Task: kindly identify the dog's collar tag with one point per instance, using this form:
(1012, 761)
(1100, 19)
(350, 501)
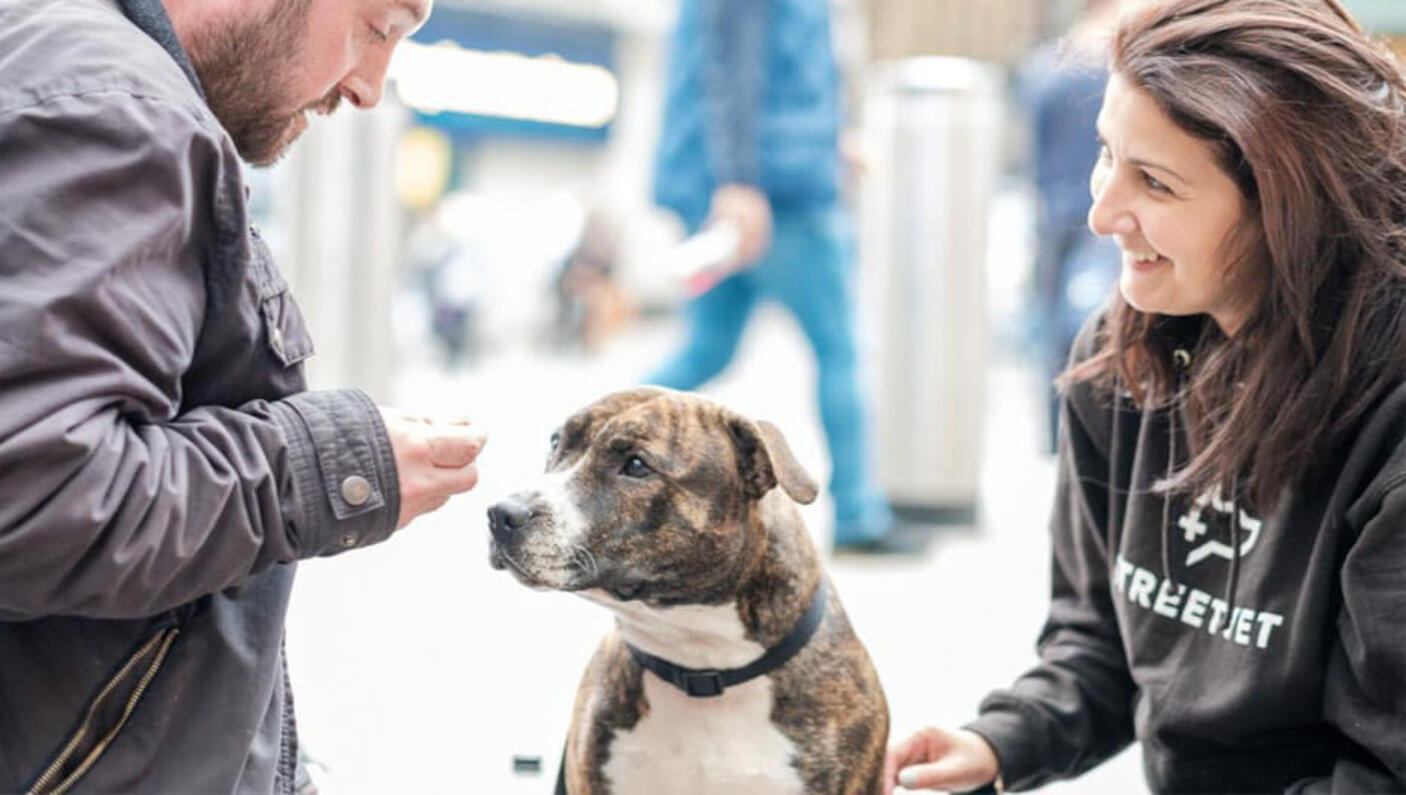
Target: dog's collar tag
(707, 682)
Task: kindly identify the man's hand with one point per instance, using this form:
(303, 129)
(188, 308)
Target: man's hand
(748, 209)
(940, 759)
(435, 459)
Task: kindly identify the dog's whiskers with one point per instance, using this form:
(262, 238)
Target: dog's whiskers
(513, 563)
(584, 559)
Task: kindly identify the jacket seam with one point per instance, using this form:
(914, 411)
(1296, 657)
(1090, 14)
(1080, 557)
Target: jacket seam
(44, 97)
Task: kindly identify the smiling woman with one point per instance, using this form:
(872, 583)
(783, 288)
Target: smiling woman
(1227, 545)
(1225, 179)
(1161, 194)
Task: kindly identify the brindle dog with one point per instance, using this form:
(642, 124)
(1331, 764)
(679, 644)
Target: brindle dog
(665, 508)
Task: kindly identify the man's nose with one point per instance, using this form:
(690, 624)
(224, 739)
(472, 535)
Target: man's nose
(509, 516)
(363, 94)
(368, 80)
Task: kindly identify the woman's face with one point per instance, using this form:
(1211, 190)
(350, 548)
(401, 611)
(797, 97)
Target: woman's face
(1161, 194)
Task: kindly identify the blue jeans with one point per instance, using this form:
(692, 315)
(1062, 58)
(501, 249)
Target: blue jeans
(809, 270)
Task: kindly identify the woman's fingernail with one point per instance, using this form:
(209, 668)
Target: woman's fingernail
(908, 777)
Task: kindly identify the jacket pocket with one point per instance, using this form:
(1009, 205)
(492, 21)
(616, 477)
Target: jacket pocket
(85, 746)
(285, 330)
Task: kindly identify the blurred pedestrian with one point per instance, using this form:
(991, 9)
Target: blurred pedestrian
(750, 142)
(161, 463)
(1061, 86)
(1228, 554)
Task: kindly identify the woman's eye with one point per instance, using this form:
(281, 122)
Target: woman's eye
(635, 467)
(377, 34)
(1156, 184)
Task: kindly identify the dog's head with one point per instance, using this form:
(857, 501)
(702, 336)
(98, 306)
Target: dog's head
(648, 494)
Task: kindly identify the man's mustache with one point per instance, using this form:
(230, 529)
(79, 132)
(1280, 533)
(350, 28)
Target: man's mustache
(327, 104)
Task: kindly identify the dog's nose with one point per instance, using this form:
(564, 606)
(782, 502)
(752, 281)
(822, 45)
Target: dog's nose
(508, 517)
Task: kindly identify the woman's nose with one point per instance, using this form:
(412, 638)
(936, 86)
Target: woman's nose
(1109, 214)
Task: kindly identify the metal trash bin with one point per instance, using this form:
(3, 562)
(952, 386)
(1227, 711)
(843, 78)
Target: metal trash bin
(934, 127)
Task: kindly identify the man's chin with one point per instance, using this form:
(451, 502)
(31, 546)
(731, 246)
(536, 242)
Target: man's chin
(263, 153)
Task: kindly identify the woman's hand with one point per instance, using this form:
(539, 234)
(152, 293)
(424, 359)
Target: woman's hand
(940, 759)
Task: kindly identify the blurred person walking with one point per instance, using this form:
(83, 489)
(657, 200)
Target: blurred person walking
(1228, 553)
(1061, 87)
(161, 463)
(750, 140)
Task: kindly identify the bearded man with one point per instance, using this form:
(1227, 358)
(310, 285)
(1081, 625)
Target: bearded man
(162, 467)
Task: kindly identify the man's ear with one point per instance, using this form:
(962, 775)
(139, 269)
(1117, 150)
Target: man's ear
(765, 461)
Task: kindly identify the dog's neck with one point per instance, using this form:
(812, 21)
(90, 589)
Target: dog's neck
(775, 589)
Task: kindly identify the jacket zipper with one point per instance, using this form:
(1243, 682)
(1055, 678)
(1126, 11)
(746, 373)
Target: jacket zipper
(161, 643)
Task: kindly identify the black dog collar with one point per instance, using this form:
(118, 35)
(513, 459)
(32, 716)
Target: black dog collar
(702, 683)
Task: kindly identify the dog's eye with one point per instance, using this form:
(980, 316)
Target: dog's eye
(635, 467)
(555, 441)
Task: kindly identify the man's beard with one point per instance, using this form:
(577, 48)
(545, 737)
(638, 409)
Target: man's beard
(246, 69)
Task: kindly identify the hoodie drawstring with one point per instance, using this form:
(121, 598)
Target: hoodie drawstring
(1115, 522)
(1234, 550)
(1182, 360)
(1167, 493)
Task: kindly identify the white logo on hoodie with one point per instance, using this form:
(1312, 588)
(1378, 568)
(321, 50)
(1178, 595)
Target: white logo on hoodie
(1196, 527)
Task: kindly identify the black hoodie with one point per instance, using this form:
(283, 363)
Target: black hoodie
(1246, 653)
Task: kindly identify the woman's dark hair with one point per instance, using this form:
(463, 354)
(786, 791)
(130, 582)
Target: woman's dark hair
(1306, 114)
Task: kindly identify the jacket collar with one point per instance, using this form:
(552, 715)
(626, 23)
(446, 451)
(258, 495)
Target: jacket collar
(150, 16)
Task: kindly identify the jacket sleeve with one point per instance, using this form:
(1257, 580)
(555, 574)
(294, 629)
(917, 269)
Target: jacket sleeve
(115, 503)
(1364, 694)
(734, 70)
(1074, 709)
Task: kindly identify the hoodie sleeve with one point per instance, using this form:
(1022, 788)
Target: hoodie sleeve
(1364, 694)
(1074, 709)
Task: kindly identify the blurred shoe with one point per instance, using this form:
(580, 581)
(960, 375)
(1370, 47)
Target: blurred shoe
(896, 538)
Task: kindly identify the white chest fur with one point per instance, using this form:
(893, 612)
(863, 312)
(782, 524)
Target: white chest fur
(692, 746)
(724, 745)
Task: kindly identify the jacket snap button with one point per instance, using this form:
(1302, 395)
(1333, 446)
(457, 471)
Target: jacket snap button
(356, 491)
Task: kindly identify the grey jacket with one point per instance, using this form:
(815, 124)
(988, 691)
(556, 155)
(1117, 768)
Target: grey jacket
(161, 466)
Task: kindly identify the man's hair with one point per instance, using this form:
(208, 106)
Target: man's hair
(1306, 114)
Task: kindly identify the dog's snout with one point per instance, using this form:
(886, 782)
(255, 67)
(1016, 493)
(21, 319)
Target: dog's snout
(508, 517)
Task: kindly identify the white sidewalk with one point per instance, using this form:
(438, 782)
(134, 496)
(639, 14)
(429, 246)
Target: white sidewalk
(417, 668)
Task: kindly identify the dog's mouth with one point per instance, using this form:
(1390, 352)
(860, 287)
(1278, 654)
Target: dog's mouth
(499, 559)
(577, 570)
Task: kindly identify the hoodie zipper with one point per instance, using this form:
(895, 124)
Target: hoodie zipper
(156, 648)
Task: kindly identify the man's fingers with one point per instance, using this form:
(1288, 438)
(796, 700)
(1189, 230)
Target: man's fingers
(456, 447)
(456, 480)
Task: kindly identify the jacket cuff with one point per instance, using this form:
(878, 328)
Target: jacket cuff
(1017, 759)
(347, 487)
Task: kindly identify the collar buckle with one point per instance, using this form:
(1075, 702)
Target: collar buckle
(701, 684)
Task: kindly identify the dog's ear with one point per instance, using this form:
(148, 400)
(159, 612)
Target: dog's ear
(767, 461)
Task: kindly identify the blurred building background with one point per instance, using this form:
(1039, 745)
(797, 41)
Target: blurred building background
(483, 243)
